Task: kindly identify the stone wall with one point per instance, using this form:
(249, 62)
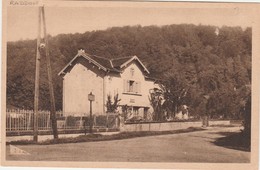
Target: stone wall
(219, 122)
(167, 126)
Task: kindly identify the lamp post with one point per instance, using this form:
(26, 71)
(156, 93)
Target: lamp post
(91, 98)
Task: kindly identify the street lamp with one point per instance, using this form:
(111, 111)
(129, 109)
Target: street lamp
(91, 98)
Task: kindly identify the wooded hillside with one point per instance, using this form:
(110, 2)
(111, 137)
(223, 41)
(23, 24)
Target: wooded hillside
(204, 62)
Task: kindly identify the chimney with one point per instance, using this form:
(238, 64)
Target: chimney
(81, 50)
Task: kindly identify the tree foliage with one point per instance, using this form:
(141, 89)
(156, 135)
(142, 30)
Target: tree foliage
(112, 105)
(189, 59)
(156, 100)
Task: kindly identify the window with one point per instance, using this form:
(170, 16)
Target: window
(131, 86)
(132, 72)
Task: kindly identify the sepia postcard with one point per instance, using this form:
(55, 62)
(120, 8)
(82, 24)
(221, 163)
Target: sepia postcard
(130, 84)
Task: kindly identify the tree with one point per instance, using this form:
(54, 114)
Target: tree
(174, 88)
(156, 99)
(112, 106)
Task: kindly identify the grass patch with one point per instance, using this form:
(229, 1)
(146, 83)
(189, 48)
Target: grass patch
(98, 137)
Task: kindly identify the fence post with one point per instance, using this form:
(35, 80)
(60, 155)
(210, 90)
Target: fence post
(65, 123)
(48, 121)
(29, 119)
(107, 122)
(15, 122)
(95, 120)
(18, 118)
(21, 116)
(10, 120)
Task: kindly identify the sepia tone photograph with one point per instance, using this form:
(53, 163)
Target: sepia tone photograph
(130, 84)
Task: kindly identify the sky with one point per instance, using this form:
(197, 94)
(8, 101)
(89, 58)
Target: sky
(22, 21)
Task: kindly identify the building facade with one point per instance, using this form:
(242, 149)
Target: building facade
(127, 77)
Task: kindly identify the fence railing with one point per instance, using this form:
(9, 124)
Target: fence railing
(22, 120)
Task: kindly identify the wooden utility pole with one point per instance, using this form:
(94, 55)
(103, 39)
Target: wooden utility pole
(48, 62)
(37, 80)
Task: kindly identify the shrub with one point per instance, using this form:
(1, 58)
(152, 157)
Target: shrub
(72, 121)
(247, 117)
(101, 120)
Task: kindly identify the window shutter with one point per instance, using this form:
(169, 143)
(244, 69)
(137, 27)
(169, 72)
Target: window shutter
(139, 87)
(136, 87)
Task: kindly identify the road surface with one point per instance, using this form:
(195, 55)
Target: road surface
(187, 147)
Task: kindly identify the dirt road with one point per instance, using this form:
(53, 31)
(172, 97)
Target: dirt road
(186, 147)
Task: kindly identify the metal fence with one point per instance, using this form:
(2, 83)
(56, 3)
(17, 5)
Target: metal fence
(22, 120)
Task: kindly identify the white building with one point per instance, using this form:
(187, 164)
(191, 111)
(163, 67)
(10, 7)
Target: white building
(125, 76)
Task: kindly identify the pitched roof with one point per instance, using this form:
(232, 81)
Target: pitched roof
(117, 62)
(114, 65)
(103, 61)
(132, 59)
